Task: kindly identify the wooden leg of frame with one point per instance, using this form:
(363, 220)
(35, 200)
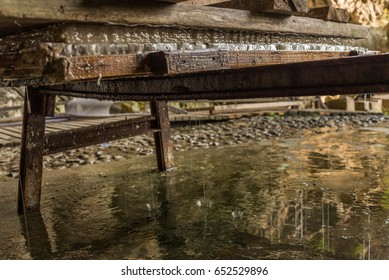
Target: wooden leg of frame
(162, 137)
(36, 106)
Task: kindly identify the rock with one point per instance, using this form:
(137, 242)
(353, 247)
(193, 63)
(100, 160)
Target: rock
(13, 174)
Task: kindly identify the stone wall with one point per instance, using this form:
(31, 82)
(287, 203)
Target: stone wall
(10, 97)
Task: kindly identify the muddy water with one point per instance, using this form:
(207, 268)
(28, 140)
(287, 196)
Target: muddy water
(324, 196)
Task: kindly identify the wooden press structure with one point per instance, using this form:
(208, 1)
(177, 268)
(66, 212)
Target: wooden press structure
(158, 51)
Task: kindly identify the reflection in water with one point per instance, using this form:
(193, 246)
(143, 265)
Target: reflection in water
(322, 197)
(37, 239)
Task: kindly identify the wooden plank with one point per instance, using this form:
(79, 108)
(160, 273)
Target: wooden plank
(16, 129)
(253, 106)
(330, 13)
(5, 131)
(71, 139)
(121, 12)
(173, 63)
(286, 7)
(351, 75)
(162, 137)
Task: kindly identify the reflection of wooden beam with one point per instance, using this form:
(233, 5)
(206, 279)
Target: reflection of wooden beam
(350, 75)
(330, 13)
(287, 7)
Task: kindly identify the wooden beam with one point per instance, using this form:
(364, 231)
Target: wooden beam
(123, 12)
(287, 7)
(353, 75)
(78, 68)
(47, 69)
(162, 137)
(173, 63)
(233, 108)
(76, 138)
(330, 13)
(31, 150)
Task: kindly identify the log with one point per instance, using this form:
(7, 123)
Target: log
(16, 14)
(330, 13)
(286, 7)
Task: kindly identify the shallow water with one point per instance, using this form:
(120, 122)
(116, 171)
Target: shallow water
(324, 196)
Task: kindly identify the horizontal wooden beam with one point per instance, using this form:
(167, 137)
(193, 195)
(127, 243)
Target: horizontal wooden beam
(234, 108)
(47, 68)
(79, 68)
(76, 138)
(126, 12)
(353, 75)
(173, 63)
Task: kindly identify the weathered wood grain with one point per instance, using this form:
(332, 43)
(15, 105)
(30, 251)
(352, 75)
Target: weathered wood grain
(173, 63)
(162, 137)
(31, 153)
(126, 12)
(51, 68)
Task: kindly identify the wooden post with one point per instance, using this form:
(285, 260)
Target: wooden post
(162, 137)
(36, 106)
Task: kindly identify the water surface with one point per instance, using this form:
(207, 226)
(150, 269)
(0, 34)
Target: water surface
(324, 196)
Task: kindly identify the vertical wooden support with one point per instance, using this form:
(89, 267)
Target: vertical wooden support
(36, 106)
(162, 137)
